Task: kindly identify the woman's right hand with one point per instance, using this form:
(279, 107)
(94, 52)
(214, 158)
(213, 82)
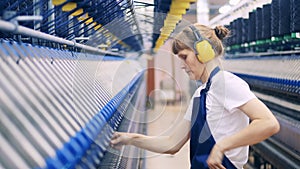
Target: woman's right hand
(120, 138)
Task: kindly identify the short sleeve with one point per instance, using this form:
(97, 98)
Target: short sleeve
(189, 111)
(237, 92)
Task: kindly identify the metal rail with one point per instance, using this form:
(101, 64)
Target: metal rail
(281, 150)
(254, 54)
(271, 151)
(17, 29)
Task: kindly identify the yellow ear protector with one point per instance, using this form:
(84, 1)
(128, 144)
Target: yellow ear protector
(204, 50)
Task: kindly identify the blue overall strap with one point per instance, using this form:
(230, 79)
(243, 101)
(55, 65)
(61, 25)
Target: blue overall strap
(202, 141)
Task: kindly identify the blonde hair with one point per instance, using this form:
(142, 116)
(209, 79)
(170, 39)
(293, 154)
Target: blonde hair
(186, 38)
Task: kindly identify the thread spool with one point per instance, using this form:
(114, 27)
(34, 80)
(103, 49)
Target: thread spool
(239, 32)
(275, 18)
(258, 25)
(295, 16)
(266, 24)
(284, 17)
(245, 24)
(252, 27)
(234, 33)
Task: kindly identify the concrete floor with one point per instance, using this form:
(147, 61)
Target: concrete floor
(161, 120)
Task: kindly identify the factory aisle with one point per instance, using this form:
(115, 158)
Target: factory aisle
(160, 122)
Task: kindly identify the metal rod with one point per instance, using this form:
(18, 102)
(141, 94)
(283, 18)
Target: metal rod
(11, 27)
(29, 18)
(264, 53)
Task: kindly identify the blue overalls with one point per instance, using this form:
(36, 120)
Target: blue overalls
(202, 141)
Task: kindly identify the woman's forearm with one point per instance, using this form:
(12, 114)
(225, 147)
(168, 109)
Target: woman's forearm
(158, 144)
(263, 125)
(257, 131)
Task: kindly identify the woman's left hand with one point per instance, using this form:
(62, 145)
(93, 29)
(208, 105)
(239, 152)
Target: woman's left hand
(215, 158)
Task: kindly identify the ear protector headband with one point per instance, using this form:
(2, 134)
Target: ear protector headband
(204, 50)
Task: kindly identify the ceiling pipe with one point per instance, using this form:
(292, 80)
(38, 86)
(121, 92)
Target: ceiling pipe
(203, 12)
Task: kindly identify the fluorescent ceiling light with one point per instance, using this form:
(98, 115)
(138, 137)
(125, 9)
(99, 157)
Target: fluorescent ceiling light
(234, 2)
(224, 9)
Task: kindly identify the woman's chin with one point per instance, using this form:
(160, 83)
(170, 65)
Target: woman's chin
(192, 77)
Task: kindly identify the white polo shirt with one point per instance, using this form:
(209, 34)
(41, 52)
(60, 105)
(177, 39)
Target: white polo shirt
(227, 92)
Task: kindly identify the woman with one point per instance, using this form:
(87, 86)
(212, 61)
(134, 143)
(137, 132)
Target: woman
(217, 119)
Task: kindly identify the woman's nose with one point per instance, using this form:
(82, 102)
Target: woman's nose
(183, 65)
